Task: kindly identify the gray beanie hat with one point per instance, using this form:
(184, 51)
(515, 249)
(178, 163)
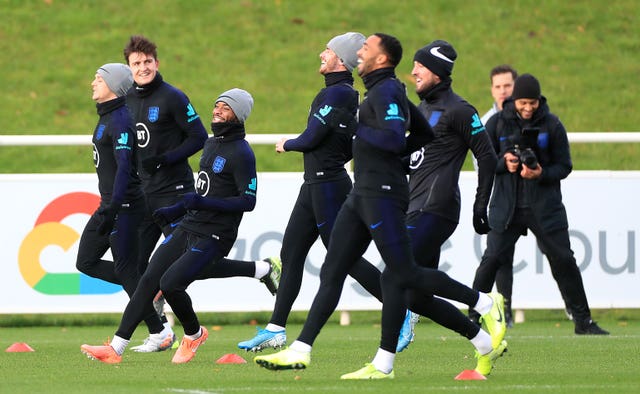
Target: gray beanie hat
(117, 76)
(240, 102)
(346, 46)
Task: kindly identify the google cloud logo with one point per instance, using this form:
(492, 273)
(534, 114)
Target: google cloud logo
(48, 230)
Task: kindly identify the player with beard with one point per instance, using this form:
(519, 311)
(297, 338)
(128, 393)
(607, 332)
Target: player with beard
(326, 147)
(227, 187)
(376, 210)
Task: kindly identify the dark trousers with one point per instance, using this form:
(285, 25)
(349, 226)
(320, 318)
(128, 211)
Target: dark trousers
(555, 245)
(361, 220)
(504, 281)
(428, 232)
(176, 263)
(123, 242)
(149, 231)
(314, 215)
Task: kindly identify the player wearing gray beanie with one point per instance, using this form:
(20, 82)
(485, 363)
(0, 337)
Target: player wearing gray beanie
(325, 146)
(240, 102)
(117, 76)
(346, 46)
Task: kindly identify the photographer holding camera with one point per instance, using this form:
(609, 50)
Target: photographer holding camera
(534, 148)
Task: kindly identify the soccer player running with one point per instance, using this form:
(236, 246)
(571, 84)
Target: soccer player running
(168, 132)
(376, 210)
(326, 147)
(227, 187)
(434, 194)
(114, 225)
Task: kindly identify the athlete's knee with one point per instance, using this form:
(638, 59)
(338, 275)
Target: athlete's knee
(84, 265)
(292, 259)
(128, 267)
(396, 278)
(417, 300)
(170, 285)
(148, 282)
(333, 273)
(166, 285)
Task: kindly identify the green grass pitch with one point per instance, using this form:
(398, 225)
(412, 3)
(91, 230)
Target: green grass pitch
(544, 356)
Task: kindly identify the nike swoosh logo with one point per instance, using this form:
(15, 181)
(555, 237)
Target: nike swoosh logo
(343, 126)
(321, 224)
(196, 250)
(435, 52)
(375, 225)
(174, 224)
(499, 319)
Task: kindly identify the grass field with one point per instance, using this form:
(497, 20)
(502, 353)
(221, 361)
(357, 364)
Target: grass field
(544, 356)
(586, 55)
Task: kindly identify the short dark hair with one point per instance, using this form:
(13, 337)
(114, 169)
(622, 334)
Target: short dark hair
(140, 44)
(503, 69)
(391, 47)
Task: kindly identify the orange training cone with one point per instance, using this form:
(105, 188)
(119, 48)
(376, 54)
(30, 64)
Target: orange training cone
(231, 359)
(19, 347)
(470, 374)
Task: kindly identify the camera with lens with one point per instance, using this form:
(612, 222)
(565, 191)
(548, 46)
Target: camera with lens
(524, 147)
(527, 157)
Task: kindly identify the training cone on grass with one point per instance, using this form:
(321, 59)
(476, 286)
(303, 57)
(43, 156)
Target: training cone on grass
(19, 347)
(470, 374)
(231, 358)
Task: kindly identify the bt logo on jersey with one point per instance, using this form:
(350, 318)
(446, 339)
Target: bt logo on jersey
(49, 230)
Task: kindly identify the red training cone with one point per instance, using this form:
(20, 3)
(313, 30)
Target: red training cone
(231, 359)
(470, 374)
(19, 347)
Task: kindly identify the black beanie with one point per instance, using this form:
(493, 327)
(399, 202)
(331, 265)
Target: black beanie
(437, 57)
(526, 86)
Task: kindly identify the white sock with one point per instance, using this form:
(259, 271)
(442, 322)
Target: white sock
(119, 344)
(166, 331)
(300, 347)
(262, 268)
(484, 304)
(274, 327)
(196, 335)
(383, 361)
(482, 342)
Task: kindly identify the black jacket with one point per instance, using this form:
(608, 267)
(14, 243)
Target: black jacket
(326, 142)
(114, 154)
(552, 150)
(167, 125)
(435, 168)
(380, 142)
(228, 182)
